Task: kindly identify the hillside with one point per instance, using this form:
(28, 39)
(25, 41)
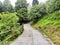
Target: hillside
(50, 26)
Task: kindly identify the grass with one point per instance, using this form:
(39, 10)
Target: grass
(50, 26)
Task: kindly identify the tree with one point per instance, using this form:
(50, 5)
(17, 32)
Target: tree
(22, 14)
(37, 12)
(53, 5)
(20, 4)
(7, 6)
(35, 2)
(1, 6)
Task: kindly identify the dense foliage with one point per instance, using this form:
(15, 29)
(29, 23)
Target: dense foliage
(53, 5)
(1, 6)
(45, 15)
(7, 6)
(22, 14)
(51, 19)
(7, 20)
(21, 8)
(35, 2)
(21, 4)
(37, 12)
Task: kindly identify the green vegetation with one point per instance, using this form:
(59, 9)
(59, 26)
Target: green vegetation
(35, 2)
(10, 20)
(1, 6)
(37, 12)
(50, 26)
(7, 23)
(52, 6)
(21, 4)
(7, 20)
(22, 14)
(7, 7)
(51, 19)
(44, 16)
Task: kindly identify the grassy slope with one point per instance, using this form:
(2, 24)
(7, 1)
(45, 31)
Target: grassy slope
(50, 26)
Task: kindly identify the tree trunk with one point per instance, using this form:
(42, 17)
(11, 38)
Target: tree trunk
(12, 31)
(22, 28)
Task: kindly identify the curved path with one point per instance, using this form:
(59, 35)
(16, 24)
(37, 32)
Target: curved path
(31, 36)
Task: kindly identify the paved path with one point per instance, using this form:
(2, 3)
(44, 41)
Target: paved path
(31, 36)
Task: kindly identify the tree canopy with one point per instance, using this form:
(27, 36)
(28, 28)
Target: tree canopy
(20, 4)
(22, 14)
(53, 5)
(7, 6)
(38, 11)
(1, 6)
(35, 2)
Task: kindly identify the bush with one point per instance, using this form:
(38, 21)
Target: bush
(22, 14)
(7, 20)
